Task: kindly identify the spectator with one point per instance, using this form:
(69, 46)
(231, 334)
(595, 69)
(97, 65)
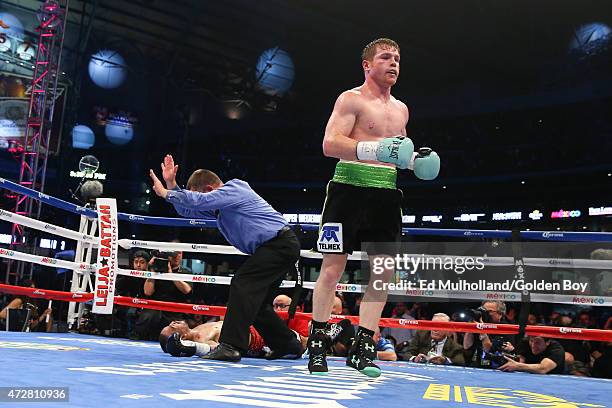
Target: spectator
(585, 321)
(401, 311)
(553, 318)
(151, 321)
(384, 348)
(511, 315)
(435, 346)
(602, 365)
(578, 368)
(25, 303)
(281, 303)
(337, 308)
(132, 286)
(575, 350)
(481, 351)
(532, 319)
(538, 355)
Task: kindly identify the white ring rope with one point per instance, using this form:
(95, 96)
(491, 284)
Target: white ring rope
(46, 261)
(43, 226)
(356, 256)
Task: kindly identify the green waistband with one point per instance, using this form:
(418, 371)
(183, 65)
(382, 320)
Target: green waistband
(363, 175)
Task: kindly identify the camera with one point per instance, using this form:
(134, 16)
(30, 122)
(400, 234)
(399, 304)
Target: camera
(160, 260)
(479, 313)
(163, 254)
(499, 358)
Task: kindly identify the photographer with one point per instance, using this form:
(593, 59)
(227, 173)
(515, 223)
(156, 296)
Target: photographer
(538, 355)
(151, 321)
(487, 350)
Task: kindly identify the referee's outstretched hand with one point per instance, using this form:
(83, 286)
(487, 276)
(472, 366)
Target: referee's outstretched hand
(158, 187)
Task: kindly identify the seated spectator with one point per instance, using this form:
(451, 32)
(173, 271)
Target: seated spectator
(401, 311)
(151, 321)
(384, 348)
(553, 319)
(281, 303)
(538, 355)
(25, 303)
(132, 287)
(435, 346)
(575, 350)
(578, 368)
(337, 307)
(602, 365)
(511, 315)
(532, 319)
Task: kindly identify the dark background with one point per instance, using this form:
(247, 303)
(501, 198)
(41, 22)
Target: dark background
(520, 119)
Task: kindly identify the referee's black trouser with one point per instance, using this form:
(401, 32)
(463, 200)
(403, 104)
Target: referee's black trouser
(252, 291)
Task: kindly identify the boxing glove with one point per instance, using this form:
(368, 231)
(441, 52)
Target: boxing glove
(394, 150)
(180, 348)
(425, 164)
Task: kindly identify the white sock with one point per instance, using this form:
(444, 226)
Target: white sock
(202, 349)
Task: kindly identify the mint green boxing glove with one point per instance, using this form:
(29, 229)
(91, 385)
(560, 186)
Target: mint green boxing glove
(395, 150)
(425, 164)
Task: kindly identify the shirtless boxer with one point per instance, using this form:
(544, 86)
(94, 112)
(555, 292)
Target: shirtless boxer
(367, 132)
(179, 340)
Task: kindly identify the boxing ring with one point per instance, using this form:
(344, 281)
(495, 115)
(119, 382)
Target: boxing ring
(111, 372)
(106, 371)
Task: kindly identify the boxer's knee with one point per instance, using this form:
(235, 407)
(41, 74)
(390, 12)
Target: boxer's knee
(332, 269)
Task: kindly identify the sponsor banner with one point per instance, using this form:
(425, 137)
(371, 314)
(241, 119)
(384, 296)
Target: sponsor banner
(565, 214)
(432, 218)
(593, 211)
(107, 265)
(507, 216)
(468, 217)
(408, 219)
(349, 287)
(536, 215)
(309, 218)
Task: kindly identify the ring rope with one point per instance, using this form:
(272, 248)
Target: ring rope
(46, 227)
(548, 331)
(230, 250)
(212, 223)
(340, 287)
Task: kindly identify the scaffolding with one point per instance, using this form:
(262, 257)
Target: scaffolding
(32, 151)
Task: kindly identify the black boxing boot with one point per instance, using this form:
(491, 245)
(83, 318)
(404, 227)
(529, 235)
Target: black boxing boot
(362, 354)
(292, 351)
(224, 352)
(318, 344)
(337, 329)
